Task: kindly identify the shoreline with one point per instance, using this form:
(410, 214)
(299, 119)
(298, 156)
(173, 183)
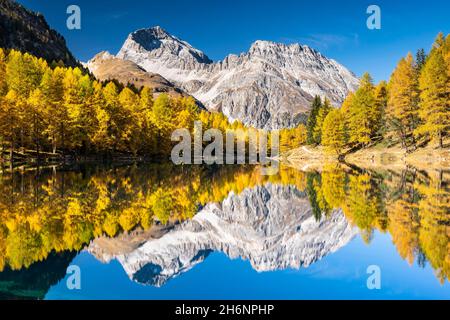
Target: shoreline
(304, 158)
(376, 157)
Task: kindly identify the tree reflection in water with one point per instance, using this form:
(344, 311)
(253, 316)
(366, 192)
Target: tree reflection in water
(57, 211)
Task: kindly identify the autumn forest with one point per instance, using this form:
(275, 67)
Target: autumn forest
(412, 109)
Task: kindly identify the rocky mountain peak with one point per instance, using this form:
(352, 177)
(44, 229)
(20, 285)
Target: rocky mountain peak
(99, 57)
(159, 43)
(151, 38)
(294, 54)
(261, 46)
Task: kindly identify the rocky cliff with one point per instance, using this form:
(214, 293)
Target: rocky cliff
(24, 30)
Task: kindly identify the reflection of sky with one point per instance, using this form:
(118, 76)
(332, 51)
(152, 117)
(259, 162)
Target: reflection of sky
(341, 275)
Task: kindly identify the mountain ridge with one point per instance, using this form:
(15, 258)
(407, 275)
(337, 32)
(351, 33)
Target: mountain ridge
(270, 86)
(27, 31)
(106, 66)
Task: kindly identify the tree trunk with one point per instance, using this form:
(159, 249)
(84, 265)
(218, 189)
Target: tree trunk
(38, 150)
(11, 155)
(36, 137)
(2, 159)
(403, 138)
(53, 144)
(63, 143)
(22, 147)
(62, 137)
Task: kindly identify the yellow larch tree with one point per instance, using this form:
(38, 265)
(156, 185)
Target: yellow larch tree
(402, 107)
(324, 109)
(334, 132)
(362, 113)
(434, 104)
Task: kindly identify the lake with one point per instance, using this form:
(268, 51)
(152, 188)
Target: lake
(191, 232)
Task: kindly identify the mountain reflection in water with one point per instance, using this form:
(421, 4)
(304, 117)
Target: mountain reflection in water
(159, 221)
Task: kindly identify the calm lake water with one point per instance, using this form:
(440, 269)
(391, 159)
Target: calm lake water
(165, 232)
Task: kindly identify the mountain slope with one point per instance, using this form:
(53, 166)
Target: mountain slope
(107, 67)
(24, 30)
(271, 86)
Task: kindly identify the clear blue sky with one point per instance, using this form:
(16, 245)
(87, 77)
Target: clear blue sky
(336, 28)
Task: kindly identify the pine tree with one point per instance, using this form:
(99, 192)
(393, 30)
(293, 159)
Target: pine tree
(334, 132)
(321, 115)
(434, 96)
(312, 119)
(402, 105)
(381, 100)
(421, 58)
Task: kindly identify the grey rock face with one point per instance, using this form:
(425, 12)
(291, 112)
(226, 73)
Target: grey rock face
(271, 226)
(167, 49)
(271, 86)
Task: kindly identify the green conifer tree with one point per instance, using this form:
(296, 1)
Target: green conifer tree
(312, 119)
